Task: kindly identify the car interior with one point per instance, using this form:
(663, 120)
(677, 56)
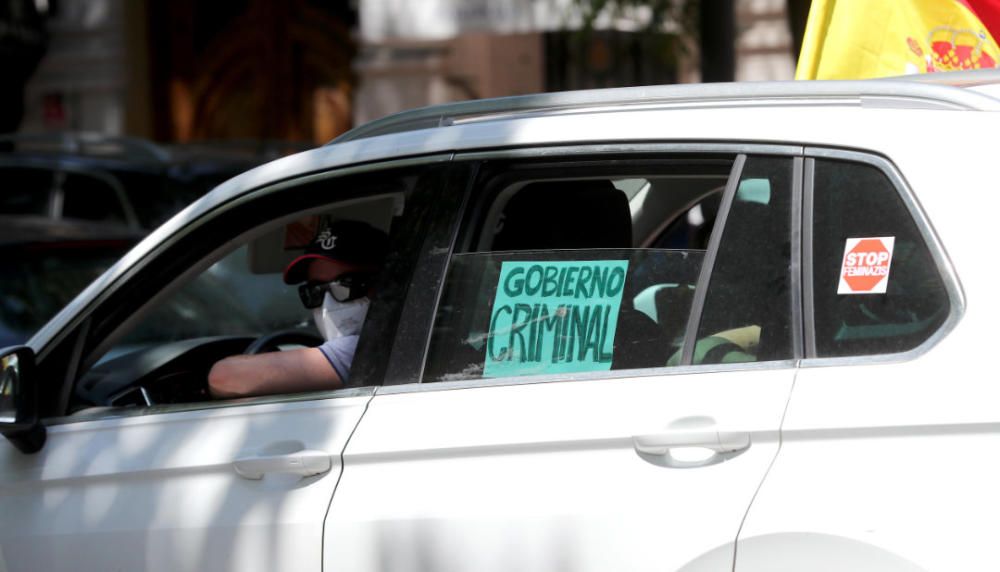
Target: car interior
(238, 304)
(660, 223)
(235, 302)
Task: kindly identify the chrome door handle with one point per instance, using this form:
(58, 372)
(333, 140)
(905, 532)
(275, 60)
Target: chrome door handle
(656, 447)
(305, 463)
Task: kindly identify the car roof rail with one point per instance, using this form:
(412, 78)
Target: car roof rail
(85, 144)
(903, 93)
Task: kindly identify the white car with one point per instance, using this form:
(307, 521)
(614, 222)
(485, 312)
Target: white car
(695, 327)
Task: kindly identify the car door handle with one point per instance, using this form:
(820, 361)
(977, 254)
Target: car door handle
(305, 463)
(718, 441)
(657, 447)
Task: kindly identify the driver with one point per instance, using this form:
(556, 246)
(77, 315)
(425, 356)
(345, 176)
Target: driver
(337, 269)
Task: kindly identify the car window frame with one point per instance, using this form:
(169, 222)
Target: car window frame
(946, 270)
(57, 166)
(79, 342)
(120, 197)
(468, 232)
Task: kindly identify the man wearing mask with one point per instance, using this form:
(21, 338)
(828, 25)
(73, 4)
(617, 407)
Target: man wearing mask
(337, 269)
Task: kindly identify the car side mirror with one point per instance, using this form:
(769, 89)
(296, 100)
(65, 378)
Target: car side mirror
(19, 400)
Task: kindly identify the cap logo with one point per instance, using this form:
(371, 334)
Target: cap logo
(326, 240)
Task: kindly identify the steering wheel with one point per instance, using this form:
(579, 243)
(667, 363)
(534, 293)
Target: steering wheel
(271, 341)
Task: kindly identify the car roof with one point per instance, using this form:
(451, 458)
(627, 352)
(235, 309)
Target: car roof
(950, 90)
(475, 125)
(492, 123)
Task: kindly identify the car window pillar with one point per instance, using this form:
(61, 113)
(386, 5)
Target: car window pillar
(700, 291)
(438, 206)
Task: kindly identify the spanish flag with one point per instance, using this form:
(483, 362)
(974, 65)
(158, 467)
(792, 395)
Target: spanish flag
(856, 39)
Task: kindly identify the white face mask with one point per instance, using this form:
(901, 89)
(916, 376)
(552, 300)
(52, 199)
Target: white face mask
(336, 319)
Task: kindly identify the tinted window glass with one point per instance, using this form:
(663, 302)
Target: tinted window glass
(39, 279)
(693, 226)
(227, 299)
(876, 288)
(152, 197)
(747, 309)
(90, 198)
(243, 294)
(535, 312)
(25, 191)
(540, 294)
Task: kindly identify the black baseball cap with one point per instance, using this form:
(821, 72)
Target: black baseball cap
(350, 241)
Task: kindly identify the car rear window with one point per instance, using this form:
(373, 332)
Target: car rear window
(876, 287)
(25, 191)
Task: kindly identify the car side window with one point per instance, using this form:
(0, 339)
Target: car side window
(222, 292)
(748, 303)
(227, 299)
(88, 198)
(27, 191)
(588, 273)
(876, 287)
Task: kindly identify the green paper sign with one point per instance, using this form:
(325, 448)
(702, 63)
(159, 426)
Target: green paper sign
(554, 317)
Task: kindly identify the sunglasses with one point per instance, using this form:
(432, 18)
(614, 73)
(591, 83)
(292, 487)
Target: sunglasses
(344, 289)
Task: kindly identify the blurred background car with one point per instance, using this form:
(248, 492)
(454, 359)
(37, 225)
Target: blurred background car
(47, 263)
(122, 181)
(73, 203)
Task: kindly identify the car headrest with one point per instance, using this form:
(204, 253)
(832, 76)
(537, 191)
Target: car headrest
(577, 214)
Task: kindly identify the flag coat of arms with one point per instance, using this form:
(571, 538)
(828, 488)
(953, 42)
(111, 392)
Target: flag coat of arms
(857, 39)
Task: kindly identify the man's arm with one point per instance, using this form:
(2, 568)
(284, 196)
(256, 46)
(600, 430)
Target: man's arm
(276, 372)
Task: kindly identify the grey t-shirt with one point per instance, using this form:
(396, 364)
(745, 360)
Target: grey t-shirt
(340, 353)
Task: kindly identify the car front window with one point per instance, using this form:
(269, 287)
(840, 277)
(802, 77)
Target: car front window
(225, 300)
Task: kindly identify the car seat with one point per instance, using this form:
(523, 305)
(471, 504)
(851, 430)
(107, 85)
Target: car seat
(585, 215)
(552, 215)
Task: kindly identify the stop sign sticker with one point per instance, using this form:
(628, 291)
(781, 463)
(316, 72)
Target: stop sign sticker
(865, 269)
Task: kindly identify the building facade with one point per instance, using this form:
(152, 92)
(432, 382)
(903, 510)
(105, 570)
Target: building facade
(307, 70)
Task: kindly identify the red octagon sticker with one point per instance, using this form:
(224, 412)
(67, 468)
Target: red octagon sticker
(865, 268)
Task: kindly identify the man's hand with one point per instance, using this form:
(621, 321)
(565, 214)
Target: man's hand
(290, 371)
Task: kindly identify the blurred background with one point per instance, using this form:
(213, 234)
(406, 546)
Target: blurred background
(116, 114)
(306, 70)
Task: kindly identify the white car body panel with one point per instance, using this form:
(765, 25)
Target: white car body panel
(160, 492)
(898, 459)
(545, 476)
(874, 466)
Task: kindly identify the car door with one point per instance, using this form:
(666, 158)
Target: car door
(230, 488)
(137, 478)
(887, 462)
(540, 439)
